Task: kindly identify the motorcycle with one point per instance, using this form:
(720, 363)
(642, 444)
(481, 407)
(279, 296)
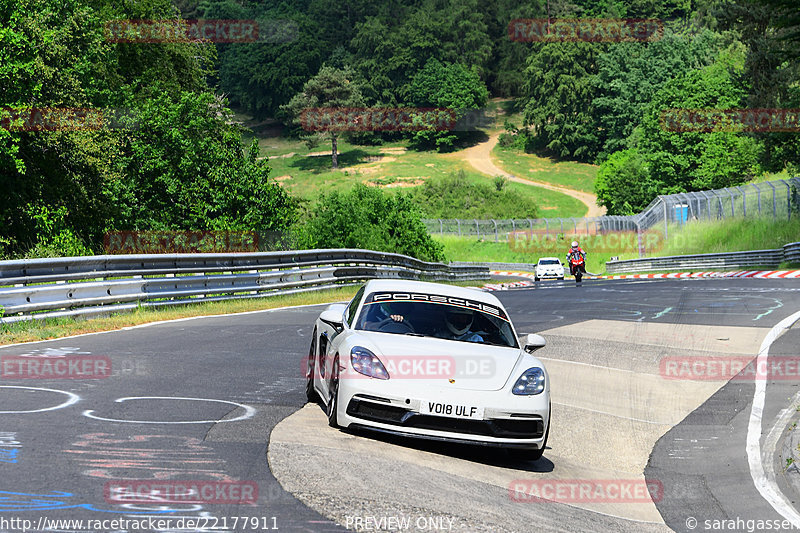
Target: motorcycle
(577, 265)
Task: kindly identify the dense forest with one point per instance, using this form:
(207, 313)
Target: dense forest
(175, 159)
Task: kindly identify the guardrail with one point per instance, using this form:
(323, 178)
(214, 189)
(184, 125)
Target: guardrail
(94, 285)
(767, 258)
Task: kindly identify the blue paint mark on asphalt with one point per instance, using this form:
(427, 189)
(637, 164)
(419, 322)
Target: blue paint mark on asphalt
(664, 312)
(8, 456)
(771, 309)
(22, 501)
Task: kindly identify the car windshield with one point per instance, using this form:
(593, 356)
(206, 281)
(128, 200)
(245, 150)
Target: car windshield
(549, 262)
(443, 317)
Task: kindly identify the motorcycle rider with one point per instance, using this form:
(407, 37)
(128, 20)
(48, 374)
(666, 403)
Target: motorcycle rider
(573, 250)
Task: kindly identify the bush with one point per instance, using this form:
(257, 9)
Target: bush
(369, 219)
(54, 237)
(455, 196)
(623, 183)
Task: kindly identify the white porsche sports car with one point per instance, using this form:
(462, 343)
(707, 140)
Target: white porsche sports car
(430, 361)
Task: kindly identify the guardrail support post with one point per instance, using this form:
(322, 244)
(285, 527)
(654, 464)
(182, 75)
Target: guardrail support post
(788, 200)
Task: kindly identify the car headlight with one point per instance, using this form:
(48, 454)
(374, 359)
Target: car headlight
(530, 382)
(367, 363)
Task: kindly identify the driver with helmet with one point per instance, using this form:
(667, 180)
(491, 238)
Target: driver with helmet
(459, 321)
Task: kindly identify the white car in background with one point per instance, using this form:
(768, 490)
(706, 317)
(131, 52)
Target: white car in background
(430, 361)
(548, 267)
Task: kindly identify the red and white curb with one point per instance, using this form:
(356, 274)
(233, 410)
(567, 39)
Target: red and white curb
(768, 274)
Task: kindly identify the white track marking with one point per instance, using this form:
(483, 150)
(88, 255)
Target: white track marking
(764, 477)
(249, 411)
(148, 324)
(72, 398)
(654, 422)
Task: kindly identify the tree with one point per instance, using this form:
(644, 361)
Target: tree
(177, 162)
(195, 173)
(330, 89)
(367, 218)
(696, 160)
(448, 86)
(623, 183)
(630, 74)
(559, 90)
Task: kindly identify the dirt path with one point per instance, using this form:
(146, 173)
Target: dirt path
(480, 157)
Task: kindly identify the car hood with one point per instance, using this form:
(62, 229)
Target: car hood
(438, 361)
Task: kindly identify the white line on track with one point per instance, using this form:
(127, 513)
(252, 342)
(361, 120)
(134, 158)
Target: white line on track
(643, 420)
(159, 322)
(248, 411)
(763, 472)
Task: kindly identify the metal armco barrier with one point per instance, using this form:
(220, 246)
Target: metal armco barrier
(93, 285)
(766, 258)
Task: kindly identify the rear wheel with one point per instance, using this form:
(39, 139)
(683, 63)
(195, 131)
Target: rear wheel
(535, 278)
(333, 401)
(311, 394)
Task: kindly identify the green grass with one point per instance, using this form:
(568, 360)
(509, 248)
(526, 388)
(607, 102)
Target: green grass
(485, 250)
(730, 235)
(307, 177)
(390, 165)
(578, 176)
(551, 204)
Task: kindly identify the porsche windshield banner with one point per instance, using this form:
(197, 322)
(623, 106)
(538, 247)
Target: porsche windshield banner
(463, 303)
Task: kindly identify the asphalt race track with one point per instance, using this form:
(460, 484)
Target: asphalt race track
(220, 400)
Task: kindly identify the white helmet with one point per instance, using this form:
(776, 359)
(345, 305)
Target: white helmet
(458, 320)
(574, 245)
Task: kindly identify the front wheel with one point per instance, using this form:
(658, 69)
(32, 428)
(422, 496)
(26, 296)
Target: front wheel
(311, 394)
(333, 401)
(578, 275)
(535, 278)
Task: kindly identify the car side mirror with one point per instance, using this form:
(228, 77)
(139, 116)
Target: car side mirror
(333, 318)
(533, 342)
